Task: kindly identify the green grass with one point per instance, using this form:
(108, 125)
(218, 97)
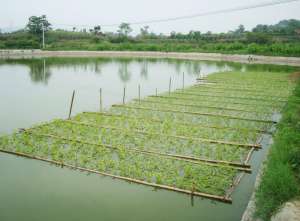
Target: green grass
(281, 181)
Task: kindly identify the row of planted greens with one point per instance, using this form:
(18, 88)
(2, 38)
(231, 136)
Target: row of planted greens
(195, 140)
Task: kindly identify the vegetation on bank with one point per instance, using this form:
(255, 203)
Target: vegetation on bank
(281, 178)
(282, 39)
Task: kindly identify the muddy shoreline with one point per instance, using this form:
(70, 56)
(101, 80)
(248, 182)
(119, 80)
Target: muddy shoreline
(256, 59)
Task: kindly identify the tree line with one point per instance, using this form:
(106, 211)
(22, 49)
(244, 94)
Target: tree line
(279, 39)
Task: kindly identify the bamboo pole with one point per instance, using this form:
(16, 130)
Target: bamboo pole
(229, 89)
(222, 102)
(156, 92)
(197, 113)
(124, 94)
(139, 93)
(233, 87)
(199, 139)
(185, 124)
(71, 105)
(234, 184)
(182, 80)
(198, 161)
(231, 97)
(170, 82)
(229, 82)
(101, 107)
(203, 106)
(200, 194)
(249, 156)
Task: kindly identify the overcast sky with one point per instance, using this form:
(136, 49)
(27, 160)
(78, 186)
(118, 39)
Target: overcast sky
(14, 13)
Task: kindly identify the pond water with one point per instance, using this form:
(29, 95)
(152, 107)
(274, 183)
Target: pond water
(39, 89)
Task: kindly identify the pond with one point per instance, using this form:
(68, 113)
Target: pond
(39, 89)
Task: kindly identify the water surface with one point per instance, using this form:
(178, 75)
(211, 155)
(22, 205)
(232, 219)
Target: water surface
(38, 90)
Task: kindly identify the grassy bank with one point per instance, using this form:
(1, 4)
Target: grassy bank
(63, 40)
(281, 178)
(276, 49)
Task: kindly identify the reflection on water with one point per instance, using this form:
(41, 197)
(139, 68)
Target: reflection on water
(123, 71)
(40, 69)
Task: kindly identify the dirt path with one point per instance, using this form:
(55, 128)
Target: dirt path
(292, 61)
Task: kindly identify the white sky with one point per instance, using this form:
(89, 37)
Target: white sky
(14, 13)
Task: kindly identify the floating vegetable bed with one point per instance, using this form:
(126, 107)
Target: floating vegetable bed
(196, 140)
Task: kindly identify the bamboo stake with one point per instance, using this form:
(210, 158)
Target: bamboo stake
(222, 102)
(231, 97)
(213, 163)
(182, 80)
(249, 156)
(139, 93)
(124, 93)
(156, 92)
(199, 139)
(71, 105)
(203, 106)
(185, 124)
(101, 108)
(170, 82)
(197, 113)
(200, 194)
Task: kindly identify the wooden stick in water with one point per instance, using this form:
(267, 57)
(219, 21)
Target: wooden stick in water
(183, 81)
(71, 105)
(139, 93)
(124, 94)
(101, 108)
(170, 83)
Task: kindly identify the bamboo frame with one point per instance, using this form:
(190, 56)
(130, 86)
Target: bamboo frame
(221, 102)
(197, 113)
(194, 160)
(234, 184)
(182, 123)
(249, 156)
(62, 164)
(229, 89)
(203, 106)
(174, 136)
(231, 97)
(230, 82)
(260, 89)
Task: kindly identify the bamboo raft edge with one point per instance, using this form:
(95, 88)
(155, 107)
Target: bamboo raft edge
(175, 189)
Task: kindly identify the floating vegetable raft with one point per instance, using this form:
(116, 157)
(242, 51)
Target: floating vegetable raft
(195, 140)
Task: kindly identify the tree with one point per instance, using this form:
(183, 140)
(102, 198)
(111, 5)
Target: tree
(37, 23)
(259, 38)
(124, 29)
(144, 31)
(97, 29)
(240, 29)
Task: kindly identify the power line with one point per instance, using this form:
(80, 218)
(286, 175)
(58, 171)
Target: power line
(222, 11)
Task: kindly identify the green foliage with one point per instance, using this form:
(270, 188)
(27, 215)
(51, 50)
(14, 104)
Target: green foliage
(36, 24)
(124, 29)
(278, 40)
(281, 180)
